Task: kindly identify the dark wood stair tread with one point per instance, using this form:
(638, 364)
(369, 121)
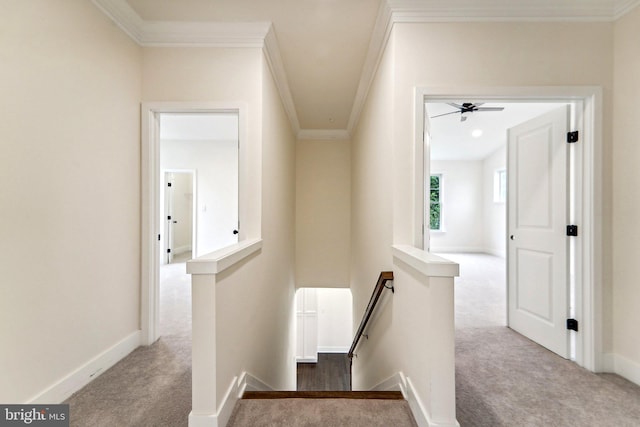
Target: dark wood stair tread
(391, 395)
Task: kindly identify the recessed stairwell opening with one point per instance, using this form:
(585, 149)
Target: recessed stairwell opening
(324, 323)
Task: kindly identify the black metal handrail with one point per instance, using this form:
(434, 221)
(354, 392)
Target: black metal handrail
(385, 276)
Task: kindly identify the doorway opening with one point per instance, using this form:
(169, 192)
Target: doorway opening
(324, 322)
(470, 224)
(190, 193)
(179, 215)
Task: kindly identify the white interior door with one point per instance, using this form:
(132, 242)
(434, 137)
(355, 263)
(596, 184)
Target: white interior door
(168, 202)
(537, 244)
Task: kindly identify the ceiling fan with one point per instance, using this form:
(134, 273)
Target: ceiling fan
(468, 107)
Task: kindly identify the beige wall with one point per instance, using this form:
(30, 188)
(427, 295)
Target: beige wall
(371, 219)
(462, 204)
(501, 54)
(323, 213)
(626, 193)
(454, 55)
(70, 167)
(254, 301)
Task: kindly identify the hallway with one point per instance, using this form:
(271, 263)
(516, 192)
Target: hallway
(152, 385)
(504, 379)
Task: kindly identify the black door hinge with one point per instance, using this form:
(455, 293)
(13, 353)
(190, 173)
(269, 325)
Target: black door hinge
(572, 136)
(168, 184)
(158, 237)
(572, 324)
(169, 218)
(168, 251)
(572, 230)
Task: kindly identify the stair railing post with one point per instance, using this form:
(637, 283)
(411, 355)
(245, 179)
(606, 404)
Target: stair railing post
(204, 404)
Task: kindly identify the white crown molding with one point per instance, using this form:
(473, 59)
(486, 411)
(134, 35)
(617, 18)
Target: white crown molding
(379, 38)
(206, 34)
(271, 51)
(261, 35)
(423, 11)
(623, 7)
(324, 135)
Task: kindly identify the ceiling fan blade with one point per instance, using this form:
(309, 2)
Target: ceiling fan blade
(490, 109)
(454, 105)
(445, 114)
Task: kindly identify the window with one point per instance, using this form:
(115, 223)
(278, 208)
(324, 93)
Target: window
(435, 200)
(500, 186)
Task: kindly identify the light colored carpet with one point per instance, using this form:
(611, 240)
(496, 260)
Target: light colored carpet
(152, 385)
(321, 413)
(504, 379)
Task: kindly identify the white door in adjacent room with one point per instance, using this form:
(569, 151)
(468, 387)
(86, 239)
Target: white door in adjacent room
(538, 247)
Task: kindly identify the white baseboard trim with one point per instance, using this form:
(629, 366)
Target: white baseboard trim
(245, 382)
(496, 253)
(83, 375)
(182, 249)
(203, 420)
(456, 249)
(398, 382)
(622, 366)
(337, 349)
(252, 383)
(306, 360)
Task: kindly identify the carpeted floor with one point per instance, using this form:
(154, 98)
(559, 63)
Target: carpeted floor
(504, 379)
(151, 386)
(321, 413)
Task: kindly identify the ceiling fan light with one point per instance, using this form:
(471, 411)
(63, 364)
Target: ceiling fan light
(477, 133)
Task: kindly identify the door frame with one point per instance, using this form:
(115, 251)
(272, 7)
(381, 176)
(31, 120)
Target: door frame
(151, 225)
(587, 163)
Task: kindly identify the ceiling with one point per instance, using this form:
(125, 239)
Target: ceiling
(452, 139)
(324, 53)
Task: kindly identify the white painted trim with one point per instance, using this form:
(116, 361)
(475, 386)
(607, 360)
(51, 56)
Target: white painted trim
(203, 420)
(272, 55)
(333, 349)
(307, 359)
(178, 33)
(237, 387)
(622, 7)
(83, 375)
(324, 134)
(250, 383)
(456, 249)
(377, 45)
(622, 366)
(150, 187)
(426, 263)
(220, 260)
(398, 382)
(418, 410)
(589, 309)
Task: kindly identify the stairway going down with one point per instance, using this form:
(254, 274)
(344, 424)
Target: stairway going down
(322, 408)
